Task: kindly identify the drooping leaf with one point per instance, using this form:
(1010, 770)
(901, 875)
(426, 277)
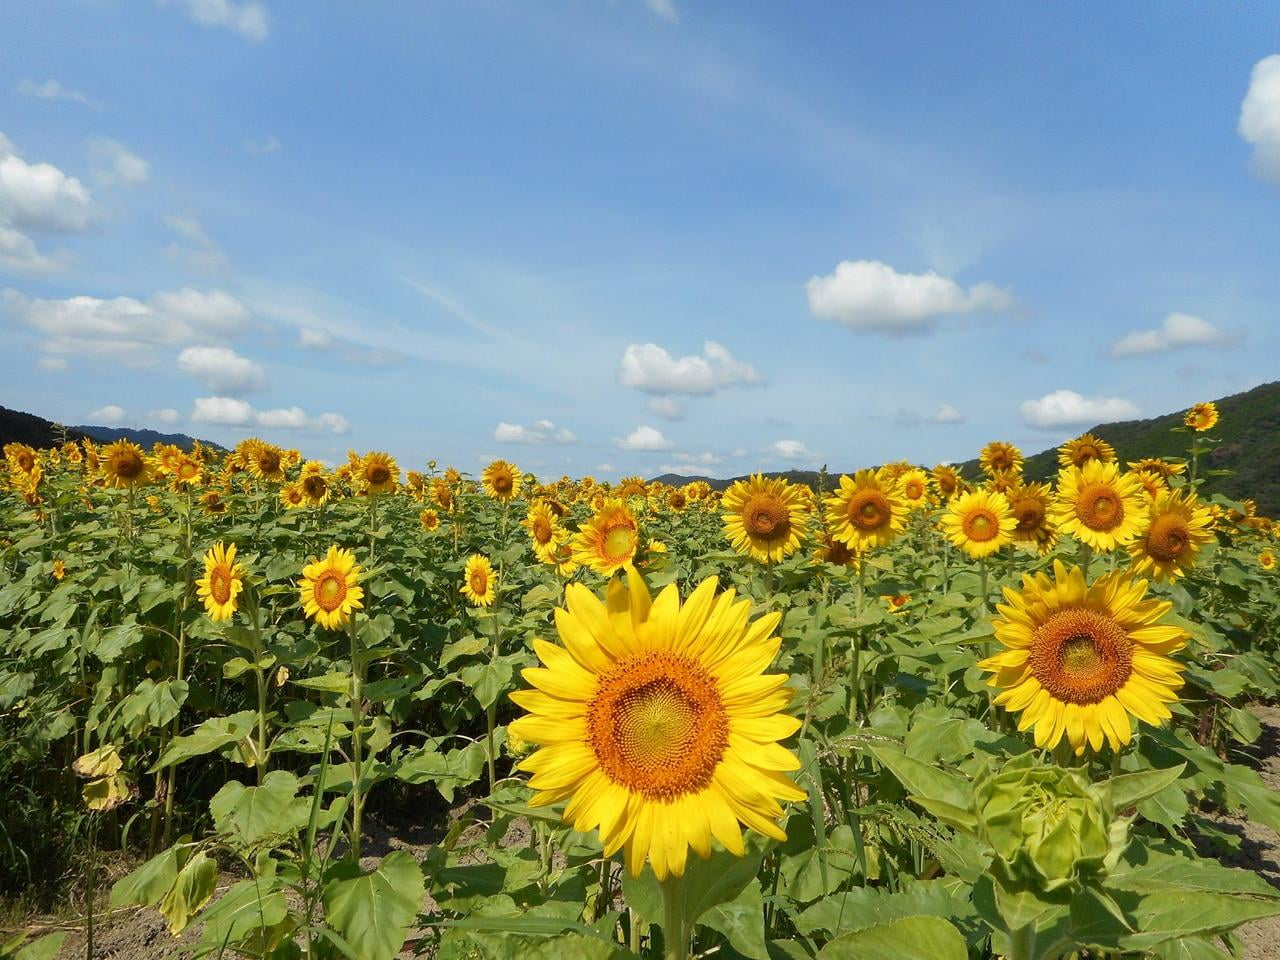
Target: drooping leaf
(372, 910)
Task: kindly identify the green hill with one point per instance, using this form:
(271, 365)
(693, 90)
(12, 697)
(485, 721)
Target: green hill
(1250, 448)
(19, 427)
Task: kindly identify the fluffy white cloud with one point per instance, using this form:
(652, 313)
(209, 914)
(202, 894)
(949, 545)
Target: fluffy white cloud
(668, 407)
(167, 416)
(314, 339)
(126, 329)
(109, 416)
(116, 164)
(1066, 408)
(649, 368)
(1260, 117)
(664, 10)
(1179, 330)
(872, 296)
(201, 251)
(644, 438)
(222, 369)
(228, 411)
(948, 414)
(793, 450)
(248, 18)
(36, 196)
(537, 433)
(52, 90)
(18, 251)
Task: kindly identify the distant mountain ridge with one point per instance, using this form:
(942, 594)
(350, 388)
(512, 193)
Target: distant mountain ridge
(19, 427)
(1250, 448)
(143, 437)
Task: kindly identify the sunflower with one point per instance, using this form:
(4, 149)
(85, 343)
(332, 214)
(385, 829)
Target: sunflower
(1156, 465)
(764, 519)
(1029, 504)
(1086, 447)
(1179, 526)
(629, 487)
(59, 569)
(222, 582)
(330, 590)
(378, 473)
(478, 583)
(416, 483)
(123, 464)
(608, 541)
(20, 456)
(292, 496)
(266, 461)
(187, 472)
(1003, 481)
(1099, 505)
(998, 455)
(867, 511)
(657, 723)
(1267, 560)
(1202, 417)
(914, 485)
(947, 479)
(1080, 658)
(429, 520)
(836, 552)
(167, 457)
(501, 481)
(1152, 483)
(315, 486)
(979, 522)
(442, 493)
(213, 503)
(544, 532)
(896, 602)
(562, 560)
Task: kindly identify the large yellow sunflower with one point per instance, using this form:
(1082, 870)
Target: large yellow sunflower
(658, 724)
(765, 519)
(979, 523)
(998, 455)
(501, 481)
(123, 464)
(266, 461)
(866, 511)
(608, 541)
(21, 456)
(1099, 505)
(1030, 505)
(948, 480)
(914, 484)
(479, 585)
(545, 532)
(1179, 526)
(1086, 447)
(330, 591)
(222, 582)
(1080, 658)
(378, 473)
(1202, 417)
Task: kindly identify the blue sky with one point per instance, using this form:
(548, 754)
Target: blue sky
(627, 236)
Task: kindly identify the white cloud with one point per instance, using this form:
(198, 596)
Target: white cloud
(606, 468)
(52, 364)
(18, 251)
(793, 450)
(664, 10)
(248, 18)
(228, 411)
(262, 148)
(1179, 330)
(314, 339)
(52, 90)
(221, 410)
(948, 414)
(201, 252)
(872, 296)
(1066, 408)
(669, 407)
(333, 422)
(40, 196)
(706, 459)
(1260, 117)
(168, 416)
(109, 416)
(644, 438)
(536, 433)
(687, 469)
(649, 368)
(222, 369)
(126, 329)
(116, 164)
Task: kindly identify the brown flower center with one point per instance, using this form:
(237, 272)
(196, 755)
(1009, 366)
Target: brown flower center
(128, 465)
(618, 543)
(1099, 507)
(767, 517)
(542, 530)
(981, 525)
(502, 483)
(330, 590)
(1168, 537)
(1030, 513)
(220, 584)
(378, 475)
(479, 581)
(1081, 656)
(869, 510)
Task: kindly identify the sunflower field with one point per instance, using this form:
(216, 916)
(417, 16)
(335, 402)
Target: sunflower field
(907, 714)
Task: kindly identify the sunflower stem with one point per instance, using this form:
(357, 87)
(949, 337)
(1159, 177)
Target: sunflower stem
(357, 736)
(675, 935)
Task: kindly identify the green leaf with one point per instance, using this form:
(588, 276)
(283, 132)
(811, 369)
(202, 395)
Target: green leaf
(249, 815)
(911, 938)
(925, 780)
(372, 910)
(153, 705)
(487, 680)
(1163, 871)
(742, 921)
(147, 884)
(249, 908)
(192, 889)
(1129, 789)
(214, 734)
(864, 907)
(43, 948)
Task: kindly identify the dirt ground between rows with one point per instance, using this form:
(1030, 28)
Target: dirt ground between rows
(142, 935)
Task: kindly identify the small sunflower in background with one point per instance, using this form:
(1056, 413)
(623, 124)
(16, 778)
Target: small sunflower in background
(1178, 527)
(998, 455)
(442, 493)
(315, 485)
(1029, 504)
(429, 520)
(222, 582)
(1086, 447)
(914, 485)
(479, 585)
(764, 519)
(608, 541)
(947, 480)
(1152, 482)
(836, 552)
(186, 472)
(657, 723)
(866, 511)
(629, 487)
(1099, 505)
(213, 503)
(545, 533)
(1202, 417)
(1158, 466)
(266, 461)
(979, 522)
(59, 569)
(378, 473)
(330, 590)
(501, 481)
(896, 602)
(292, 496)
(1080, 658)
(124, 465)
(1267, 560)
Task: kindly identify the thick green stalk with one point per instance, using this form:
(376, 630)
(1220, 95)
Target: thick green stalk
(1022, 943)
(357, 736)
(675, 936)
